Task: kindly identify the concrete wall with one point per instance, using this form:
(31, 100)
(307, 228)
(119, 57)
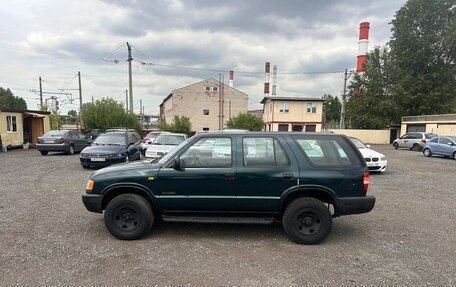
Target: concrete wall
(367, 136)
(190, 101)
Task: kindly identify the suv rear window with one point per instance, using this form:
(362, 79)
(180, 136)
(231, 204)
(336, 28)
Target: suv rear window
(429, 136)
(323, 151)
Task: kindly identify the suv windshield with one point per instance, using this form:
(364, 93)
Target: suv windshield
(168, 140)
(111, 139)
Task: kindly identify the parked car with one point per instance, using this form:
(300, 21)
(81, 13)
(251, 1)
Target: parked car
(61, 141)
(375, 161)
(237, 178)
(111, 148)
(414, 141)
(163, 144)
(148, 139)
(443, 145)
(94, 134)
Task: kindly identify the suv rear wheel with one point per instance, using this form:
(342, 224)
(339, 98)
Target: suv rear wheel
(416, 147)
(307, 221)
(128, 216)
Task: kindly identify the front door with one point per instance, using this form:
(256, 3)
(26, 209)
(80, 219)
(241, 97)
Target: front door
(205, 180)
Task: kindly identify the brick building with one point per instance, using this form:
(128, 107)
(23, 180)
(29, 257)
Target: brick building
(201, 103)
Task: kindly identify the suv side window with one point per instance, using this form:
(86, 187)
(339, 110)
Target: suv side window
(208, 152)
(434, 140)
(328, 152)
(261, 151)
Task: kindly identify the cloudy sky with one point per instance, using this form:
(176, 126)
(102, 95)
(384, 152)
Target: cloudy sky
(184, 42)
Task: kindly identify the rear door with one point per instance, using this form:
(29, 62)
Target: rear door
(445, 147)
(266, 169)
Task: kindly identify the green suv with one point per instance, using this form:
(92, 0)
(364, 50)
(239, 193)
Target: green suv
(300, 179)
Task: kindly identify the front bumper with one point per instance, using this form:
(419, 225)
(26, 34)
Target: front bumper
(354, 205)
(93, 202)
(87, 161)
(377, 166)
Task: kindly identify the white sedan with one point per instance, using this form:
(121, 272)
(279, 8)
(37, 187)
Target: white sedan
(375, 161)
(163, 144)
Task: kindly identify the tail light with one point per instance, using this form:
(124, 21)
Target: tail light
(37, 140)
(145, 140)
(61, 140)
(366, 181)
(423, 141)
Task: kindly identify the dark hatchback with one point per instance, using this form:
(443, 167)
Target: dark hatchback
(112, 148)
(245, 177)
(61, 141)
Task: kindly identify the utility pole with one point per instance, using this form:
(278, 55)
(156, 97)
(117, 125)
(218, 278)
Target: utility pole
(130, 83)
(344, 96)
(140, 111)
(126, 101)
(41, 95)
(80, 98)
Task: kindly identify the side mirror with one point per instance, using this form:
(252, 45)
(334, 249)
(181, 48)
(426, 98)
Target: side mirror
(368, 146)
(149, 142)
(177, 164)
(89, 141)
(450, 143)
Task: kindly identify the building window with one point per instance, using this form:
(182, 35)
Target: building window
(284, 108)
(311, 108)
(205, 129)
(210, 89)
(207, 88)
(11, 125)
(283, 127)
(214, 89)
(205, 112)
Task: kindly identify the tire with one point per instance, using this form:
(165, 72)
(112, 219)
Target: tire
(307, 221)
(127, 158)
(43, 152)
(416, 147)
(454, 155)
(427, 152)
(70, 149)
(128, 216)
(395, 145)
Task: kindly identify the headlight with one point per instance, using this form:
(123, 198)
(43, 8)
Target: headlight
(84, 155)
(90, 185)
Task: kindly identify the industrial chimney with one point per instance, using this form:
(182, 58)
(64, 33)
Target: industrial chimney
(267, 70)
(231, 82)
(362, 47)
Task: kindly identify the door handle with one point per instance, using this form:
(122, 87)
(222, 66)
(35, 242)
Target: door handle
(230, 176)
(287, 176)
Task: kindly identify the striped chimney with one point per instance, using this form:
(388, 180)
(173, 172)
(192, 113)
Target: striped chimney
(363, 43)
(267, 70)
(231, 82)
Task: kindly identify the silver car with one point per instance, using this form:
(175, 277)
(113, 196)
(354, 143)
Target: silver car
(163, 144)
(61, 141)
(413, 140)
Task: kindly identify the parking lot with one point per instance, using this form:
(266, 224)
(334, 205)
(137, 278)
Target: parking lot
(49, 238)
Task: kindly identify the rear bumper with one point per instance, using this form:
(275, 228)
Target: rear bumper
(92, 202)
(354, 205)
(52, 147)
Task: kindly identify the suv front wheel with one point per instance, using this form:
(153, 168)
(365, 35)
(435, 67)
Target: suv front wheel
(307, 221)
(128, 216)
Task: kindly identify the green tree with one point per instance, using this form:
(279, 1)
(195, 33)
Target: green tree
(107, 113)
(332, 109)
(371, 103)
(245, 121)
(423, 49)
(73, 113)
(11, 102)
(180, 124)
